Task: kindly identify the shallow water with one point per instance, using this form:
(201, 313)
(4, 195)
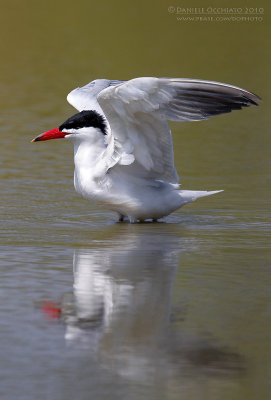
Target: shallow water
(92, 308)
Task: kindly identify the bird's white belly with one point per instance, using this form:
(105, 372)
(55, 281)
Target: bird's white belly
(134, 198)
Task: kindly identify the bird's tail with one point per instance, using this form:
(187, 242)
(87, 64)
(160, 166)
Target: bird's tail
(191, 195)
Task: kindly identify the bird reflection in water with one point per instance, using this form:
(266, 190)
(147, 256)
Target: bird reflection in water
(121, 308)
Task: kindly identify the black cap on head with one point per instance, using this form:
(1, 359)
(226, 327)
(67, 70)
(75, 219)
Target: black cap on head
(85, 119)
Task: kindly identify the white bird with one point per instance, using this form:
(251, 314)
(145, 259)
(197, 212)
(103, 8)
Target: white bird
(123, 151)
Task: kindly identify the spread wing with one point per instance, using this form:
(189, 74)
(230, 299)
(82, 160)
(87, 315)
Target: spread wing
(138, 110)
(85, 98)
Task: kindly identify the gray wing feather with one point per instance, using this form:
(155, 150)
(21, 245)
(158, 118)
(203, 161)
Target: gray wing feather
(85, 98)
(194, 100)
(138, 110)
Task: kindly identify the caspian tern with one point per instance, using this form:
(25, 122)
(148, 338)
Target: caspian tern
(123, 151)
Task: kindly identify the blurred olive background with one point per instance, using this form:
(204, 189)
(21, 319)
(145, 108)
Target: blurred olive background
(220, 291)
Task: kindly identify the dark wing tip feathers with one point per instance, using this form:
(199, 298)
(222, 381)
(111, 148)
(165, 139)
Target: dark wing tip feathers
(207, 100)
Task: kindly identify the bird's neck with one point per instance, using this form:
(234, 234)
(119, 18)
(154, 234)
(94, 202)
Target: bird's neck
(86, 156)
(87, 152)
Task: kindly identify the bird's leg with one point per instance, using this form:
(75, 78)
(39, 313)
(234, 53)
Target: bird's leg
(121, 217)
